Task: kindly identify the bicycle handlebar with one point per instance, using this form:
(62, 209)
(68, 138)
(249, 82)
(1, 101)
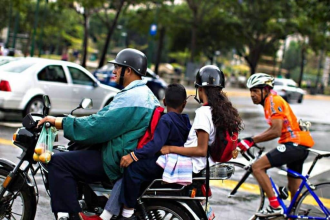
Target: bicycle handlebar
(248, 155)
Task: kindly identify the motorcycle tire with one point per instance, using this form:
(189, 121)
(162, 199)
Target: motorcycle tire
(20, 207)
(159, 209)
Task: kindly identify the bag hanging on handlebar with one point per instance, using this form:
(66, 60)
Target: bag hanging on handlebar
(44, 146)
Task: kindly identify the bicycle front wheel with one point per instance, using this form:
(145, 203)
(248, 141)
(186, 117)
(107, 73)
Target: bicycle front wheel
(307, 205)
(248, 199)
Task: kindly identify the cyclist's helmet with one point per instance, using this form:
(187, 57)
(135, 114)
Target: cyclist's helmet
(260, 80)
(132, 58)
(211, 76)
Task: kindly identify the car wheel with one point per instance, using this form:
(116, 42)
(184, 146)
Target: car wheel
(161, 93)
(36, 105)
(300, 99)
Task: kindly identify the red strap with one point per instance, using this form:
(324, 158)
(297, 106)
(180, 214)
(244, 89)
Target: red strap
(149, 134)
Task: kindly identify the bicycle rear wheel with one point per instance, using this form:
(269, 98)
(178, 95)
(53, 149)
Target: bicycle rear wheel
(307, 206)
(248, 199)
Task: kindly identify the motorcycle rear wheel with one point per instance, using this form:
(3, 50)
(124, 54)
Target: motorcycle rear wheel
(18, 205)
(164, 210)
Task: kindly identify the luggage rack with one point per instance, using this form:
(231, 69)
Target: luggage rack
(219, 171)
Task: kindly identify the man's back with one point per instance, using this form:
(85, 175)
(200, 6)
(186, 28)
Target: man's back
(277, 108)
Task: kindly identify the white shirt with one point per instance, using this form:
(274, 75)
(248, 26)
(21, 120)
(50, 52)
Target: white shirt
(202, 121)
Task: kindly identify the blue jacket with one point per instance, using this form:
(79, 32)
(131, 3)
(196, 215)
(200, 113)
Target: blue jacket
(172, 129)
(117, 127)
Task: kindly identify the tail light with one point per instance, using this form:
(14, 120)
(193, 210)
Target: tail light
(5, 86)
(204, 190)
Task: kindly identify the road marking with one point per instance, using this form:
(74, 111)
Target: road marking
(6, 142)
(11, 125)
(253, 188)
(230, 184)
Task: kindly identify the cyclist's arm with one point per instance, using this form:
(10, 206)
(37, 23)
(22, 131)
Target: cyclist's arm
(274, 131)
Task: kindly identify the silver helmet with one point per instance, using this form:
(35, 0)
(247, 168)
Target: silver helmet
(260, 80)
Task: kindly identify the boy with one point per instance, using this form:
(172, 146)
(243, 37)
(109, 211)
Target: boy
(172, 129)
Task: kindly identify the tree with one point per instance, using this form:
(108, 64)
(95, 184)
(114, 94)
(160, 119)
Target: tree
(259, 24)
(292, 56)
(85, 8)
(111, 27)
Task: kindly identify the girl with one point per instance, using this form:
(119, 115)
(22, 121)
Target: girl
(213, 119)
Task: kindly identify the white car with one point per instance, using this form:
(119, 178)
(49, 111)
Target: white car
(7, 59)
(25, 81)
(288, 89)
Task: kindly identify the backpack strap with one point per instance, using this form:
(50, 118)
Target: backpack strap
(207, 183)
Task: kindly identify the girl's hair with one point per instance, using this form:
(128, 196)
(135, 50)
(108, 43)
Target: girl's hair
(224, 116)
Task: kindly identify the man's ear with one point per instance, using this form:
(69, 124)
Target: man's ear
(164, 102)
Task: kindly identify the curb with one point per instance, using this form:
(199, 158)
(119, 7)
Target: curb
(243, 93)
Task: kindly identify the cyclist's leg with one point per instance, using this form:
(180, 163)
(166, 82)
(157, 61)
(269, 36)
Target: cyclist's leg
(297, 166)
(259, 171)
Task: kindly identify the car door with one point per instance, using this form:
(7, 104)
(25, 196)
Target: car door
(84, 87)
(53, 81)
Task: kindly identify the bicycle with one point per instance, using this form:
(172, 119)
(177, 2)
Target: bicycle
(312, 204)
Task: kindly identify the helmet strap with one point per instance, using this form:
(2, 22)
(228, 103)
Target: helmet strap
(199, 101)
(262, 96)
(122, 74)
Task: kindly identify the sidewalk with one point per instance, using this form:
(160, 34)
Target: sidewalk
(240, 92)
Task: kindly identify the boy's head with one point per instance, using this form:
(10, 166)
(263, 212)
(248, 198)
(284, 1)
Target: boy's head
(175, 97)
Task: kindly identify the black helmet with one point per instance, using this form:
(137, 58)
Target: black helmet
(210, 75)
(132, 58)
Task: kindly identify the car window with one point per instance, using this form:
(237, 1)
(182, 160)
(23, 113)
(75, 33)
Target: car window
(16, 66)
(277, 83)
(79, 77)
(292, 85)
(52, 73)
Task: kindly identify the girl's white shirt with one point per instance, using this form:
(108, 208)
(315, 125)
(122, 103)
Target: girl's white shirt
(202, 121)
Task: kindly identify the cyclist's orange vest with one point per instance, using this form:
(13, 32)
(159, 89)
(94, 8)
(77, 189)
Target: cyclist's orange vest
(277, 108)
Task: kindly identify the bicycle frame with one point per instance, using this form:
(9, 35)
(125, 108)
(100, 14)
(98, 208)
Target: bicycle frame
(309, 187)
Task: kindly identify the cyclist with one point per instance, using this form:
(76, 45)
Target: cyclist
(292, 150)
(117, 128)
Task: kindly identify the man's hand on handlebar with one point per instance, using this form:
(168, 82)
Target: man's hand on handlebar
(245, 143)
(49, 119)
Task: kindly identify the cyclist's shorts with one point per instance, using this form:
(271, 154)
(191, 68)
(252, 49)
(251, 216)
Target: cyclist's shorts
(290, 154)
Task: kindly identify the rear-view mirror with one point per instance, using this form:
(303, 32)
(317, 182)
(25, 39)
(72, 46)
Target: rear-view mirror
(86, 103)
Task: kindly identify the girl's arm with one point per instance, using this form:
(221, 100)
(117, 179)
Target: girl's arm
(199, 151)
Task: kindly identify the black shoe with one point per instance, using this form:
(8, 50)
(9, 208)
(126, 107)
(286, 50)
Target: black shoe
(133, 217)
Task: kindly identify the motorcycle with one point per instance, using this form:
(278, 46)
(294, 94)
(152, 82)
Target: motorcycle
(19, 191)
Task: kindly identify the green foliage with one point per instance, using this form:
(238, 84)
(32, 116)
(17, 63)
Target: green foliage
(292, 57)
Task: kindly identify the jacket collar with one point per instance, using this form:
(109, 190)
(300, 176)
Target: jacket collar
(134, 84)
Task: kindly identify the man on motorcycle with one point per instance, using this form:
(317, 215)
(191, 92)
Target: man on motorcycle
(293, 141)
(116, 128)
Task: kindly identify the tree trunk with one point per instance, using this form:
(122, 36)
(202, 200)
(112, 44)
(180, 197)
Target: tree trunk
(302, 64)
(85, 42)
(160, 48)
(193, 39)
(253, 58)
(109, 34)
(194, 6)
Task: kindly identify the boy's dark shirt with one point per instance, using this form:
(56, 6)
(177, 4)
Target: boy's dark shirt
(172, 129)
